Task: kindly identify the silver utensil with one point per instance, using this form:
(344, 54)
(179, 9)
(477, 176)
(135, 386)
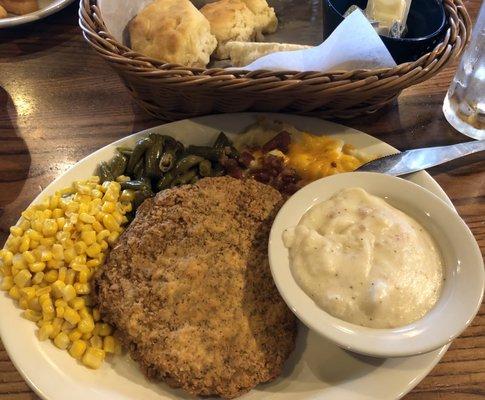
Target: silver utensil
(415, 160)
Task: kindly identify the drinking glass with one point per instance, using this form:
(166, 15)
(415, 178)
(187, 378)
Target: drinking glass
(464, 105)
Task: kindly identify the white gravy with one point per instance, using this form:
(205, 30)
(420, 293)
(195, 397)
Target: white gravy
(365, 262)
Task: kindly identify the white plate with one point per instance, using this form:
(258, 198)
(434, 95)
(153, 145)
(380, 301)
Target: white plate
(317, 369)
(46, 7)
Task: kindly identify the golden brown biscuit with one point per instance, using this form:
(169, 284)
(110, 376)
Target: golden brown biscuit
(265, 17)
(173, 31)
(230, 20)
(20, 7)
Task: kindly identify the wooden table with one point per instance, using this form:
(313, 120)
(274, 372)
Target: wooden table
(59, 102)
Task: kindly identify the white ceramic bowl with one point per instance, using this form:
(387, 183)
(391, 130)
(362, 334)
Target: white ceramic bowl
(464, 271)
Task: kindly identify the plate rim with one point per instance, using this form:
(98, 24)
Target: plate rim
(291, 118)
(18, 20)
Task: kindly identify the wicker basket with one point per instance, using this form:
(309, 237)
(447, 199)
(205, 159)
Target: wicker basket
(171, 91)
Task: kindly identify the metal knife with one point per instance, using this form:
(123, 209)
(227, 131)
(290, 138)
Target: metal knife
(415, 160)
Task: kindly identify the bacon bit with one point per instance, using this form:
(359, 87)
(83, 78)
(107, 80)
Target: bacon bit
(281, 142)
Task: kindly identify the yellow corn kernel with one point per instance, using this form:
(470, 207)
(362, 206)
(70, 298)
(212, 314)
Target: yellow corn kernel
(83, 277)
(87, 335)
(86, 325)
(62, 340)
(93, 250)
(103, 245)
(85, 312)
(57, 251)
(37, 267)
(93, 263)
(60, 312)
(47, 306)
(97, 194)
(118, 217)
(28, 292)
(28, 214)
(104, 329)
(78, 348)
(62, 274)
(13, 244)
(127, 195)
(80, 247)
(72, 207)
(109, 344)
(123, 178)
(16, 231)
(23, 303)
(47, 241)
(93, 357)
(104, 234)
(82, 288)
(108, 207)
(45, 331)
(126, 208)
(97, 226)
(38, 278)
(70, 277)
(96, 314)
(14, 292)
(86, 218)
(28, 257)
(49, 227)
(43, 293)
(69, 254)
(24, 244)
(74, 335)
(71, 316)
(6, 256)
(113, 237)
(96, 342)
(67, 327)
(68, 292)
(88, 237)
(46, 255)
(110, 223)
(61, 222)
(31, 315)
(50, 276)
(60, 303)
(7, 283)
(22, 278)
(34, 304)
(57, 288)
(77, 303)
(57, 213)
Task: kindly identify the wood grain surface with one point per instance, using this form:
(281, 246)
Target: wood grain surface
(59, 102)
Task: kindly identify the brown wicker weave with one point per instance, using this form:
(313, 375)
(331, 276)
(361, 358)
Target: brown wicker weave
(171, 91)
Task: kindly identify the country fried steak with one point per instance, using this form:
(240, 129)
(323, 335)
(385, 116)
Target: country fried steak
(189, 288)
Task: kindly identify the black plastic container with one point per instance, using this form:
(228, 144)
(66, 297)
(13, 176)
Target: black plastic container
(426, 27)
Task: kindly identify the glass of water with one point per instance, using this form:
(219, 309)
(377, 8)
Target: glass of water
(464, 105)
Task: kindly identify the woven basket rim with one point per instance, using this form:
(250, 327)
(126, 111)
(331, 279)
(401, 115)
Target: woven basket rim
(138, 63)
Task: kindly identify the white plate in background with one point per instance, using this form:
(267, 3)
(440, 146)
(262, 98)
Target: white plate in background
(317, 369)
(46, 7)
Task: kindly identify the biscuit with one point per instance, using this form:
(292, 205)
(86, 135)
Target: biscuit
(20, 7)
(230, 20)
(173, 31)
(265, 17)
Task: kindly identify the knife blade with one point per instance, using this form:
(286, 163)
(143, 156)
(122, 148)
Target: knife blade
(418, 159)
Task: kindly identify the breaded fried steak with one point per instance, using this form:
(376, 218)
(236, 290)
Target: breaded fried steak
(189, 288)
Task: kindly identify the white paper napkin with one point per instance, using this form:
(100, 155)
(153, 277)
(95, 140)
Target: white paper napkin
(354, 44)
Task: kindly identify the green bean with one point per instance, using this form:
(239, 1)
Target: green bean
(152, 156)
(125, 151)
(185, 163)
(141, 196)
(184, 178)
(118, 163)
(222, 141)
(137, 154)
(134, 185)
(165, 181)
(205, 168)
(210, 153)
(104, 172)
(194, 179)
(139, 170)
(167, 160)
